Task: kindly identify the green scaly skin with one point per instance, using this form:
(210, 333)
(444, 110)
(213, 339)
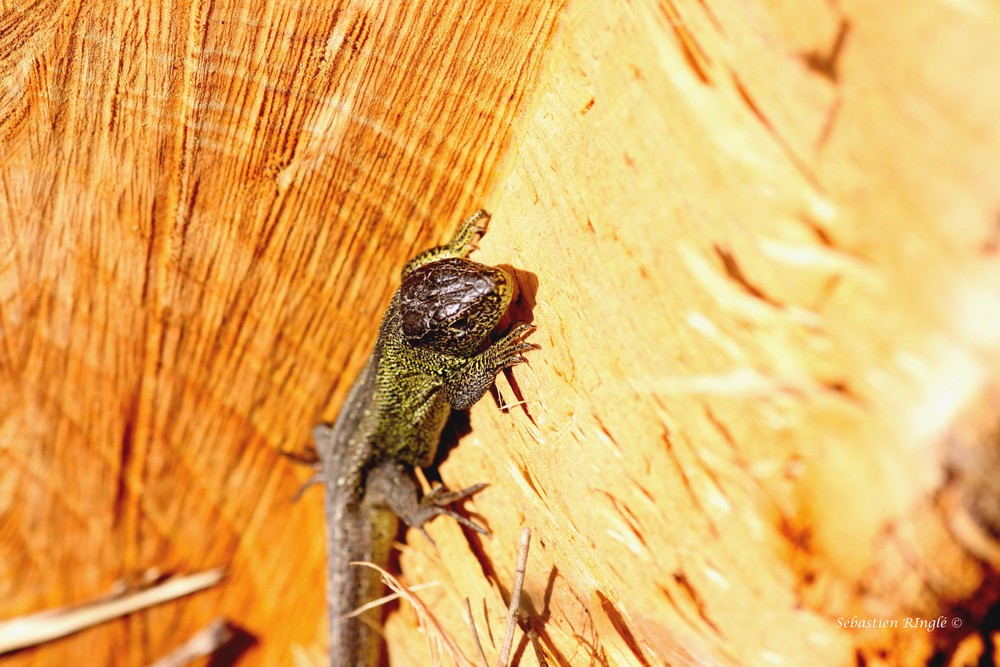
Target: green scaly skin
(430, 357)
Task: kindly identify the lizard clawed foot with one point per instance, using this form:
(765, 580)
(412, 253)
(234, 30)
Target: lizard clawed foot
(509, 349)
(435, 504)
(323, 435)
(390, 485)
(466, 389)
(318, 478)
(466, 238)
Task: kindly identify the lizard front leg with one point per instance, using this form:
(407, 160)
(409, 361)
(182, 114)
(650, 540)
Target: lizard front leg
(461, 244)
(470, 383)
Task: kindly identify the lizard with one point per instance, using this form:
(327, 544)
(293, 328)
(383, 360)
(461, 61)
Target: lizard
(432, 355)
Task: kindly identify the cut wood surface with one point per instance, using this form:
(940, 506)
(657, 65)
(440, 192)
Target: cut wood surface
(760, 242)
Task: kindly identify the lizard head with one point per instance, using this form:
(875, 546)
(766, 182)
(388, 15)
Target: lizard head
(452, 305)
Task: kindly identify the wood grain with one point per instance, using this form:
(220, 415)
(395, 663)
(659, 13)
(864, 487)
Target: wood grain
(204, 208)
(759, 243)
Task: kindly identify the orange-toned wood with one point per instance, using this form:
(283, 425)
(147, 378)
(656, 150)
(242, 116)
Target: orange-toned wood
(759, 242)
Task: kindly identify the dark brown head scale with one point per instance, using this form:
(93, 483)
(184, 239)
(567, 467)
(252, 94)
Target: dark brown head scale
(451, 305)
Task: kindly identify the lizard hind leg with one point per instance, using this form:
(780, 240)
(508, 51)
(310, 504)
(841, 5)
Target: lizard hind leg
(461, 244)
(389, 484)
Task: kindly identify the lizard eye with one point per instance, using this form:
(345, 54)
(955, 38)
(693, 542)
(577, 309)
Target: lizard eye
(451, 305)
